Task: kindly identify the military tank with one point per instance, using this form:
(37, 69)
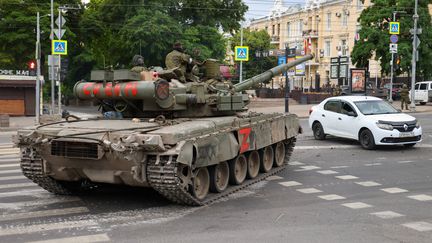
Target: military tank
(192, 142)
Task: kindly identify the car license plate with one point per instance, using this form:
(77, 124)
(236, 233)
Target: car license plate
(406, 134)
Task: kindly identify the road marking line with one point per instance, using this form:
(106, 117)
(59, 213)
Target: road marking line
(327, 172)
(7, 178)
(9, 171)
(38, 202)
(326, 147)
(387, 214)
(6, 145)
(339, 167)
(357, 205)
(290, 183)
(419, 226)
(7, 186)
(5, 161)
(368, 183)
(32, 192)
(273, 178)
(295, 163)
(45, 227)
(44, 213)
(331, 197)
(393, 190)
(347, 177)
(373, 164)
(308, 167)
(405, 162)
(309, 190)
(421, 197)
(81, 239)
(9, 165)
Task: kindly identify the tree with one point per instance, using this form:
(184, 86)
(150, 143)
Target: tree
(258, 41)
(374, 36)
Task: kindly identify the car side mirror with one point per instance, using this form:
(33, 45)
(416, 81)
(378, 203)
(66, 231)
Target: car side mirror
(351, 113)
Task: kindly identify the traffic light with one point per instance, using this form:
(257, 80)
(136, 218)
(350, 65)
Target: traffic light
(32, 67)
(397, 61)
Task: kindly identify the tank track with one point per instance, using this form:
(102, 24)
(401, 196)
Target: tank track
(32, 168)
(163, 178)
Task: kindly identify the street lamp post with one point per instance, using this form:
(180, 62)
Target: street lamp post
(339, 68)
(287, 87)
(38, 72)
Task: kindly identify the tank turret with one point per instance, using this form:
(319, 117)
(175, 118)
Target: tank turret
(162, 94)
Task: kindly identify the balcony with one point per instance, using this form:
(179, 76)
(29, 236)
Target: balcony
(275, 39)
(310, 33)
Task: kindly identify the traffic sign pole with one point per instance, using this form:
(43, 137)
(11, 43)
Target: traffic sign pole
(60, 24)
(241, 62)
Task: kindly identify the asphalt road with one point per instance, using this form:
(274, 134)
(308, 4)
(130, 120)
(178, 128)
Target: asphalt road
(334, 191)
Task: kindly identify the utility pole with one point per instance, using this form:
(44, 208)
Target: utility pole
(287, 86)
(241, 62)
(52, 66)
(390, 99)
(59, 63)
(414, 57)
(38, 56)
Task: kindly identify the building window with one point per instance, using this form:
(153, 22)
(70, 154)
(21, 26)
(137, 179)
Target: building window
(289, 29)
(344, 48)
(344, 19)
(300, 27)
(327, 48)
(328, 21)
(278, 30)
(273, 30)
(359, 5)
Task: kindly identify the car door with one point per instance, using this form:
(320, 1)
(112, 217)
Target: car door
(421, 92)
(347, 121)
(329, 116)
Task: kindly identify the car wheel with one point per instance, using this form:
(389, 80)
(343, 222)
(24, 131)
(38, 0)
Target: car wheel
(422, 103)
(367, 140)
(318, 131)
(409, 145)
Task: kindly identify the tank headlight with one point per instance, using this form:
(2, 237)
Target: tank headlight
(385, 126)
(162, 89)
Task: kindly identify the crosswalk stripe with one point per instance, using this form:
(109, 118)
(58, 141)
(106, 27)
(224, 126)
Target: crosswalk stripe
(45, 227)
(8, 160)
(9, 165)
(7, 178)
(38, 192)
(6, 145)
(82, 239)
(17, 185)
(9, 151)
(44, 213)
(9, 171)
(38, 202)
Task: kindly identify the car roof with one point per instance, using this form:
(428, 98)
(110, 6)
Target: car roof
(354, 98)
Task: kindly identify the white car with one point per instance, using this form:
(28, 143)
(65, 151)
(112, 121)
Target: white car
(370, 120)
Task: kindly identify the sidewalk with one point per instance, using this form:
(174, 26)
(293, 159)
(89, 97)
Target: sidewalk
(257, 105)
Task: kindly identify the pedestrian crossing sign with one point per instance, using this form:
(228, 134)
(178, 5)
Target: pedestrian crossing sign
(242, 53)
(59, 47)
(394, 28)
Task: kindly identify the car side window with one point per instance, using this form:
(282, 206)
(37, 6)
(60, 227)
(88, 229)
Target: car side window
(333, 105)
(423, 86)
(416, 86)
(346, 108)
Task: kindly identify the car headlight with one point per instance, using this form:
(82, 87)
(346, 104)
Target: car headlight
(385, 126)
(417, 124)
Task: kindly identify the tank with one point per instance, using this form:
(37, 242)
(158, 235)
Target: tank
(193, 142)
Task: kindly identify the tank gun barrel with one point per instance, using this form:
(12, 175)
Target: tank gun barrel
(269, 74)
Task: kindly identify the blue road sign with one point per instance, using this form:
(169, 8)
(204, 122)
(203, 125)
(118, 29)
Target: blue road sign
(242, 53)
(59, 47)
(282, 60)
(394, 38)
(394, 28)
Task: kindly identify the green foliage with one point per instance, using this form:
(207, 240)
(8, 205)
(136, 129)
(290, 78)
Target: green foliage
(257, 41)
(374, 36)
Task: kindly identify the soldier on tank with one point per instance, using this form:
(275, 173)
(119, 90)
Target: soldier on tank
(138, 64)
(179, 60)
(404, 93)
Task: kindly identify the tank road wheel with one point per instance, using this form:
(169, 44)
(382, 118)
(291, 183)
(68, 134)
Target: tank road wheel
(253, 162)
(238, 170)
(219, 177)
(279, 154)
(201, 183)
(267, 158)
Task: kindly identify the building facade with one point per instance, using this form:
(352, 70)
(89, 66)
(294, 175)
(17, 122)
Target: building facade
(327, 28)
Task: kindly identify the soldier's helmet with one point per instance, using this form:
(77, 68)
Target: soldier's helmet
(404, 86)
(138, 60)
(178, 46)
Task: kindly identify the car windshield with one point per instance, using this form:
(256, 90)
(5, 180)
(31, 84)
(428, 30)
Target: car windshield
(375, 107)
